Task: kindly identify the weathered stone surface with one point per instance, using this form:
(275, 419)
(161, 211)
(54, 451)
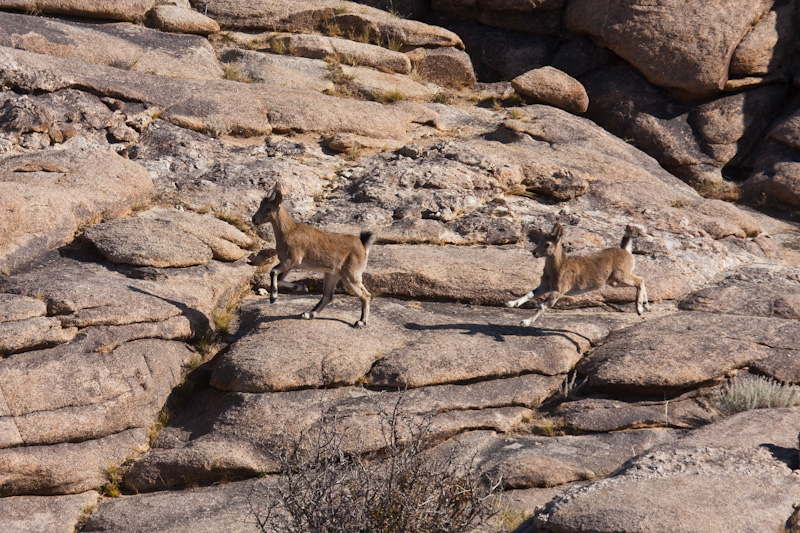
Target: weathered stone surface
(272, 357)
(343, 50)
(767, 45)
(232, 179)
(287, 71)
(123, 46)
(692, 141)
(302, 16)
(505, 348)
(74, 394)
(127, 10)
(67, 468)
(527, 462)
(551, 86)
(33, 333)
(168, 238)
(599, 415)
(386, 86)
(710, 479)
(580, 56)
(182, 20)
(46, 196)
(238, 108)
(443, 66)
(666, 41)
(143, 242)
(344, 142)
(484, 275)
(85, 294)
(776, 177)
(58, 514)
(220, 508)
(18, 307)
(757, 290)
(686, 349)
(225, 435)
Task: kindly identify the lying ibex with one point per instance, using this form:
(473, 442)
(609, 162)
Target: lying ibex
(340, 257)
(578, 274)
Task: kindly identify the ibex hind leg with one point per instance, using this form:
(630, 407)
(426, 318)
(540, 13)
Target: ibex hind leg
(328, 285)
(357, 288)
(620, 279)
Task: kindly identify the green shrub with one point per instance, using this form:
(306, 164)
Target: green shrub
(754, 392)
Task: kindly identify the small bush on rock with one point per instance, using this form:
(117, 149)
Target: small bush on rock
(754, 392)
(405, 487)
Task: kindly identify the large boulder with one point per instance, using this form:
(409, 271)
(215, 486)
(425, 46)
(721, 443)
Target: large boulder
(667, 42)
(47, 196)
(343, 50)
(168, 238)
(123, 46)
(126, 10)
(776, 176)
(443, 66)
(549, 85)
(213, 107)
(663, 355)
(694, 141)
(334, 16)
(228, 435)
(709, 479)
(59, 514)
(178, 19)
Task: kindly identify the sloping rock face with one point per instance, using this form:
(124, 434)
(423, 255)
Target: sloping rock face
(665, 41)
(123, 46)
(138, 355)
(66, 188)
(730, 464)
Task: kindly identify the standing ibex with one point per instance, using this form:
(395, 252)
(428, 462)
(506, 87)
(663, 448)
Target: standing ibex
(340, 257)
(578, 274)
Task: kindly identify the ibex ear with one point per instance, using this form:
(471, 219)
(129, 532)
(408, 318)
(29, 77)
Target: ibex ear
(277, 193)
(557, 232)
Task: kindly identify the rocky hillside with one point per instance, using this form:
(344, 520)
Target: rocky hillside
(146, 385)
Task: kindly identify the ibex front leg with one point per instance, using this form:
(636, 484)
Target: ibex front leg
(535, 293)
(544, 306)
(277, 272)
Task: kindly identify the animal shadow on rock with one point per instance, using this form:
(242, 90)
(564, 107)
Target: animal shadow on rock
(499, 332)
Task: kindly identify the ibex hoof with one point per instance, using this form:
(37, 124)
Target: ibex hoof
(639, 310)
(272, 298)
(648, 307)
(308, 315)
(302, 287)
(360, 324)
(512, 303)
(527, 322)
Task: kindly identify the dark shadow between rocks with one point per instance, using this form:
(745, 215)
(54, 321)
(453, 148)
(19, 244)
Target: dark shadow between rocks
(499, 332)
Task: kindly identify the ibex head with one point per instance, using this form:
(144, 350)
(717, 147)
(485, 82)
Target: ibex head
(269, 205)
(549, 242)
